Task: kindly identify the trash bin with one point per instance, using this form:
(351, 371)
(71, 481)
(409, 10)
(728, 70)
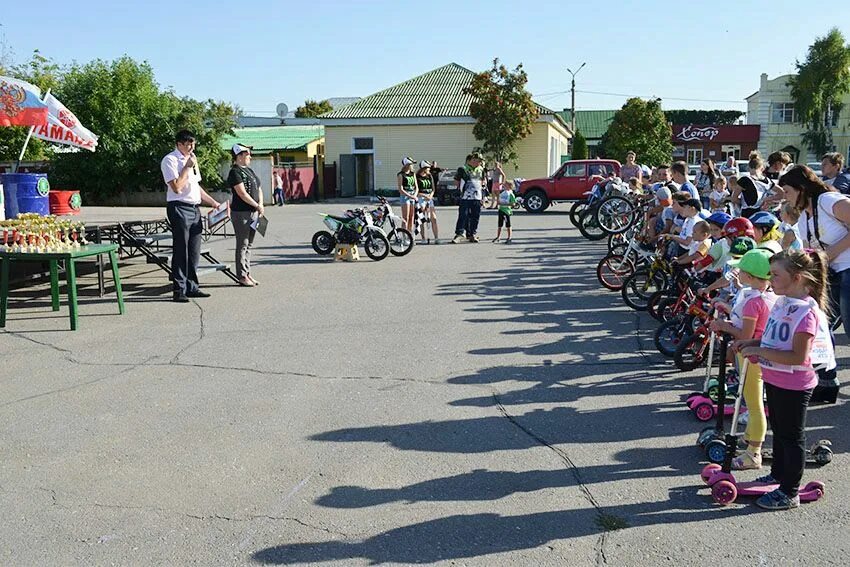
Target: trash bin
(25, 193)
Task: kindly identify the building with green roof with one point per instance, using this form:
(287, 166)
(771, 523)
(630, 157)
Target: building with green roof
(592, 124)
(275, 146)
(426, 117)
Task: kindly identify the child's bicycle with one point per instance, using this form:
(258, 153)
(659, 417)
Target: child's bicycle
(613, 270)
(644, 282)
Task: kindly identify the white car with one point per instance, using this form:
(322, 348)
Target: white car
(816, 167)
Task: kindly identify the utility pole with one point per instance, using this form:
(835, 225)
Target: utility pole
(573, 90)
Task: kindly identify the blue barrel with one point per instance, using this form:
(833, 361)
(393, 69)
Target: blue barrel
(25, 193)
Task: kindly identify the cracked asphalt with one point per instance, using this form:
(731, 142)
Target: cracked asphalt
(464, 405)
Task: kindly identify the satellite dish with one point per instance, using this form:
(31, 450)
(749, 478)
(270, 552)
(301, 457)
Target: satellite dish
(282, 110)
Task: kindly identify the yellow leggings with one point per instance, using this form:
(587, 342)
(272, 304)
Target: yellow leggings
(753, 395)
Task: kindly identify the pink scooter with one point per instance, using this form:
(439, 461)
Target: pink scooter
(725, 489)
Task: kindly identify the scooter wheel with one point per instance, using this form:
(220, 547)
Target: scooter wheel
(724, 492)
(815, 486)
(708, 471)
(704, 411)
(715, 451)
(822, 455)
(706, 435)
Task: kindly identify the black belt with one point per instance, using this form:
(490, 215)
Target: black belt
(183, 204)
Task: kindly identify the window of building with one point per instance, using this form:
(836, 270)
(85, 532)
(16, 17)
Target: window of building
(363, 144)
(733, 150)
(695, 156)
(783, 113)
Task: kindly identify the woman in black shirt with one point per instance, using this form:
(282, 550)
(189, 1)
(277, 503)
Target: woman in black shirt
(425, 183)
(245, 207)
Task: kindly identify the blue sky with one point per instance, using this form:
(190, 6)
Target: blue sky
(259, 53)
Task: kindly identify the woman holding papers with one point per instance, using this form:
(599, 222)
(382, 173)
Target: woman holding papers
(245, 208)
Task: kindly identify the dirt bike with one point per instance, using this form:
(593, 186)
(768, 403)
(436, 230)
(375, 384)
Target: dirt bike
(355, 227)
(400, 239)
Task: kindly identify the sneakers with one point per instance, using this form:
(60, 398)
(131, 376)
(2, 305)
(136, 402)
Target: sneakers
(456, 239)
(474, 238)
(766, 479)
(747, 461)
(436, 241)
(778, 500)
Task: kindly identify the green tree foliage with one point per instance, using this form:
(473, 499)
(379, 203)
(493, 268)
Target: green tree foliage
(45, 74)
(579, 147)
(135, 121)
(639, 126)
(817, 89)
(703, 116)
(312, 108)
(503, 110)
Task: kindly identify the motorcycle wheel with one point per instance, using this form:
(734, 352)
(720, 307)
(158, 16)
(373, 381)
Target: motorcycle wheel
(324, 243)
(377, 246)
(401, 241)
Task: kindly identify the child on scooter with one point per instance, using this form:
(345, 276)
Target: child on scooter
(747, 320)
(796, 339)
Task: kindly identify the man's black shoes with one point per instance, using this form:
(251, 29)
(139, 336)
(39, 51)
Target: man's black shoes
(198, 293)
(180, 298)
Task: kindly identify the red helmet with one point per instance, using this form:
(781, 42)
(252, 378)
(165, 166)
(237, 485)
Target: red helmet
(739, 227)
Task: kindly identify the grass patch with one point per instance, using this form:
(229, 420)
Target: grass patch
(610, 522)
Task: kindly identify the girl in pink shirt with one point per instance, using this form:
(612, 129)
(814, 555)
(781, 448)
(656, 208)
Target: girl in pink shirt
(795, 340)
(747, 320)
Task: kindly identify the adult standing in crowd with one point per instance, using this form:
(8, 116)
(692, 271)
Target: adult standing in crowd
(497, 177)
(407, 191)
(184, 195)
(705, 181)
(277, 198)
(752, 188)
(777, 164)
(823, 224)
(470, 184)
(631, 168)
(246, 206)
(679, 171)
(425, 182)
(730, 168)
(831, 165)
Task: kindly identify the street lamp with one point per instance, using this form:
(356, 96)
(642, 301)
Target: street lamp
(573, 90)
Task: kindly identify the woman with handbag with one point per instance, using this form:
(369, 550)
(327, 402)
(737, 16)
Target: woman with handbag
(824, 222)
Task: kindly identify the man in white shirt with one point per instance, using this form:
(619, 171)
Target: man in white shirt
(729, 168)
(184, 195)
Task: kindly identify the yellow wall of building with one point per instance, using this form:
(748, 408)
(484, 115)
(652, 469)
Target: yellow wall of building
(447, 144)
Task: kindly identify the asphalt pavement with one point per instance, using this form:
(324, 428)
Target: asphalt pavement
(469, 404)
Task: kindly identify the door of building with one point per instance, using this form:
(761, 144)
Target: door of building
(694, 156)
(347, 175)
(365, 174)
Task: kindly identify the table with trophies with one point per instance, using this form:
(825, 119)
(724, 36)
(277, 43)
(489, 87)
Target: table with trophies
(34, 238)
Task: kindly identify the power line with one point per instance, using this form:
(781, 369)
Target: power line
(643, 96)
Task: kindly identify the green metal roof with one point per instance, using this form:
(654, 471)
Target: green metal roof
(271, 138)
(591, 123)
(435, 94)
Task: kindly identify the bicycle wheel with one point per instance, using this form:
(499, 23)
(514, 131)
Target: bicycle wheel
(617, 243)
(667, 337)
(575, 212)
(615, 214)
(588, 227)
(656, 303)
(639, 287)
(691, 352)
(613, 270)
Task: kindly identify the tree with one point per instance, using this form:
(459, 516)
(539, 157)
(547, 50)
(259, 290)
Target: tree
(312, 108)
(503, 110)
(579, 147)
(703, 116)
(121, 102)
(817, 89)
(639, 126)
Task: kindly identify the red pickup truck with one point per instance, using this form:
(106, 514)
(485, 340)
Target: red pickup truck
(569, 183)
